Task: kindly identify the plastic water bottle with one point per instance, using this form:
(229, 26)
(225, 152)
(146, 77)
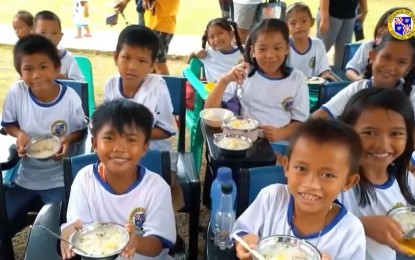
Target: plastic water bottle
(224, 175)
(225, 218)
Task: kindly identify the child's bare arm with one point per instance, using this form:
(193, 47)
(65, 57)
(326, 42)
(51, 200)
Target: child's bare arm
(276, 134)
(353, 75)
(158, 133)
(148, 246)
(21, 138)
(329, 76)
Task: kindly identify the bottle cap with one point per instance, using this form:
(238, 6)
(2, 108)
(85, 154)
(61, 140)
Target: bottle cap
(224, 174)
(227, 188)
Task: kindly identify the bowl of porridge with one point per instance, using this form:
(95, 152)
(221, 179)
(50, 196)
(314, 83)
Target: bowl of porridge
(214, 117)
(405, 216)
(43, 147)
(287, 248)
(104, 241)
(315, 80)
(244, 126)
(231, 144)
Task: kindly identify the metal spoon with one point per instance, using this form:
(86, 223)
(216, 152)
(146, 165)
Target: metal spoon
(240, 92)
(64, 240)
(246, 246)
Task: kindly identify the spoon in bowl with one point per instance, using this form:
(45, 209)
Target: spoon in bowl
(64, 240)
(246, 246)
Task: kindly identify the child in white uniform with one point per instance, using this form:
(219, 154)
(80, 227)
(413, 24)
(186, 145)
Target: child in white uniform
(35, 106)
(306, 54)
(390, 62)
(48, 24)
(116, 189)
(273, 94)
(384, 120)
(356, 67)
(81, 15)
(220, 55)
(323, 159)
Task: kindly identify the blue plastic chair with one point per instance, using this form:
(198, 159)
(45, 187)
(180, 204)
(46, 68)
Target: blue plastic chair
(86, 68)
(81, 88)
(349, 51)
(187, 175)
(329, 90)
(252, 180)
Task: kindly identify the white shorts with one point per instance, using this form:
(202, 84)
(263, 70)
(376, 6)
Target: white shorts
(244, 15)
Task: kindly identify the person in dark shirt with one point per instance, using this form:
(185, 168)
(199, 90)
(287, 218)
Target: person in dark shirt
(335, 24)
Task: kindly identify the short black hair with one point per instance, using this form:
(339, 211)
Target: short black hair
(35, 44)
(396, 101)
(47, 15)
(120, 113)
(138, 36)
(297, 6)
(330, 131)
(25, 16)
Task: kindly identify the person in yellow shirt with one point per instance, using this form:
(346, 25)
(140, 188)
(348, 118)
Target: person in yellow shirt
(160, 16)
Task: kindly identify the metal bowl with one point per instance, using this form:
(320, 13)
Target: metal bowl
(103, 241)
(274, 246)
(405, 216)
(315, 80)
(251, 130)
(43, 147)
(222, 141)
(214, 117)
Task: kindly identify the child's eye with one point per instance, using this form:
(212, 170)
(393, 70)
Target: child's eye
(398, 134)
(142, 61)
(44, 67)
(109, 138)
(124, 57)
(300, 168)
(328, 175)
(368, 132)
(133, 140)
(27, 69)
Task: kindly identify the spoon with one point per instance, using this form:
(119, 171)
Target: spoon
(240, 92)
(246, 246)
(64, 240)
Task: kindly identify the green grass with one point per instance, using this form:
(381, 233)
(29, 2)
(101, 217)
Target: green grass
(191, 19)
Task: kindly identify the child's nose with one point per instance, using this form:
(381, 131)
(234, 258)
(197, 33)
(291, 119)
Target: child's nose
(311, 181)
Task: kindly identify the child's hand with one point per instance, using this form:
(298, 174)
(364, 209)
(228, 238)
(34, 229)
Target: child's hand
(66, 250)
(384, 230)
(325, 257)
(131, 247)
(65, 146)
(120, 6)
(22, 139)
(201, 54)
(270, 132)
(241, 252)
(237, 74)
(62, 76)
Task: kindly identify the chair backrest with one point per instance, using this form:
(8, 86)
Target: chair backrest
(86, 68)
(329, 90)
(349, 51)
(153, 160)
(177, 89)
(252, 180)
(80, 87)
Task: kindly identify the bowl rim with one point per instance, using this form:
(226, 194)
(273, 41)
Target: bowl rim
(89, 226)
(219, 136)
(230, 119)
(35, 139)
(202, 113)
(300, 240)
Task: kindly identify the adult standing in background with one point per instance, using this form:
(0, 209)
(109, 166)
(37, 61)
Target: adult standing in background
(244, 16)
(160, 16)
(121, 4)
(335, 24)
(226, 6)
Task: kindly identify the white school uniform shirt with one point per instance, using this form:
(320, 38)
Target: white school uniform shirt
(272, 213)
(69, 66)
(413, 158)
(274, 102)
(313, 61)
(361, 58)
(217, 63)
(247, 2)
(388, 196)
(155, 95)
(335, 106)
(60, 117)
(147, 204)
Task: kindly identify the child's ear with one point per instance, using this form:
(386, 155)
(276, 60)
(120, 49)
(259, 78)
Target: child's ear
(115, 58)
(372, 55)
(351, 180)
(285, 164)
(313, 20)
(94, 144)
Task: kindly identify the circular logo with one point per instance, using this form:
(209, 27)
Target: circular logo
(287, 103)
(401, 24)
(59, 128)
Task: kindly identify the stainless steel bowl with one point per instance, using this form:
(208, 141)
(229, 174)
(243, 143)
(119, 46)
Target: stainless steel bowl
(250, 132)
(43, 147)
(408, 224)
(315, 80)
(214, 117)
(268, 247)
(228, 150)
(100, 230)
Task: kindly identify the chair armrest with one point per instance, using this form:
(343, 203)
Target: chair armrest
(195, 82)
(41, 245)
